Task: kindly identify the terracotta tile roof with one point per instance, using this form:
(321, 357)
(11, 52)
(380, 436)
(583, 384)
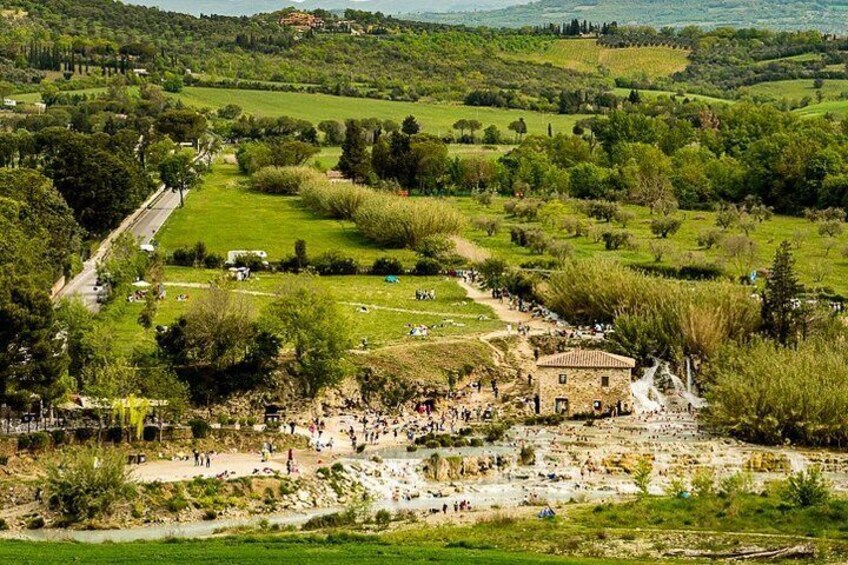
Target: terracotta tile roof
(588, 359)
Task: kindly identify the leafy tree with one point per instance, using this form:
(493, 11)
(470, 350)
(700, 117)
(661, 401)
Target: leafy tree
(519, 127)
(334, 132)
(31, 356)
(181, 125)
(178, 173)
(308, 319)
(492, 135)
(780, 296)
(410, 126)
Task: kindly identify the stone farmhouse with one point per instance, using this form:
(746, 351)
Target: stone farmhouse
(584, 382)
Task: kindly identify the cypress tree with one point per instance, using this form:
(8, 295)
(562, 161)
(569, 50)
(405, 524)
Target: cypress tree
(779, 297)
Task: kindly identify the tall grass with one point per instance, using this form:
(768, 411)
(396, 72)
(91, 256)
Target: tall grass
(767, 394)
(653, 316)
(394, 221)
(338, 201)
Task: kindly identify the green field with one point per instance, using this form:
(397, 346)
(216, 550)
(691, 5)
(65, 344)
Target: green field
(437, 119)
(225, 215)
(586, 55)
(817, 267)
(392, 308)
(798, 89)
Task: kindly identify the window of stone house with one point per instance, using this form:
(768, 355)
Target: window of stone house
(605, 381)
(563, 379)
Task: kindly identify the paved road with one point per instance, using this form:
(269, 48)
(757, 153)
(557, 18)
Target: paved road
(144, 223)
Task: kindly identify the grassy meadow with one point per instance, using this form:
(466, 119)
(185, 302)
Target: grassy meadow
(226, 215)
(817, 266)
(391, 308)
(585, 55)
(435, 118)
(798, 89)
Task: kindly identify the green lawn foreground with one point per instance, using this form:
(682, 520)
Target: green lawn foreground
(316, 550)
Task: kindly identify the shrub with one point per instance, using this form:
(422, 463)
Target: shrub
(210, 514)
(602, 210)
(426, 267)
(806, 488)
(35, 523)
(615, 239)
(83, 434)
(59, 437)
(394, 221)
(339, 201)
(489, 224)
(334, 263)
(666, 226)
(709, 238)
(199, 428)
(527, 455)
(387, 266)
(801, 392)
(86, 483)
(383, 517)
(702, 317)
(282, 180)
(642, 475)
(411, 448)
(39, 441)
(213, 261)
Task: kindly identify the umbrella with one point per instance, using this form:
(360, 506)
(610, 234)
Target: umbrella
(141, 284)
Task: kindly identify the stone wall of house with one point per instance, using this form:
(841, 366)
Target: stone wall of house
(583, 389)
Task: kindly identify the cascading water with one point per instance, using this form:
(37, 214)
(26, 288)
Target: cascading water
(648, 397)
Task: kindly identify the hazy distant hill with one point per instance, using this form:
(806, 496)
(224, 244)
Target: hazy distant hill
(250, 7)
(825, 15)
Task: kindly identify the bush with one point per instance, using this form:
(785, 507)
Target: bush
(334, 520)
(86, 483)
(426, 267)
(615, 239)
(701, 317)
(39, 441)
(383, 518)
(83, 434)
(709, 238)
(213, 261)
(35, 523)
(282, 180)
(602, 210)
(664, 227)
(527, 455)
(801, 392)
(806, 488)
(394, 221)
(385, 266)
(199, 428)
(339, 201)
(333, 263)
(59, 437)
